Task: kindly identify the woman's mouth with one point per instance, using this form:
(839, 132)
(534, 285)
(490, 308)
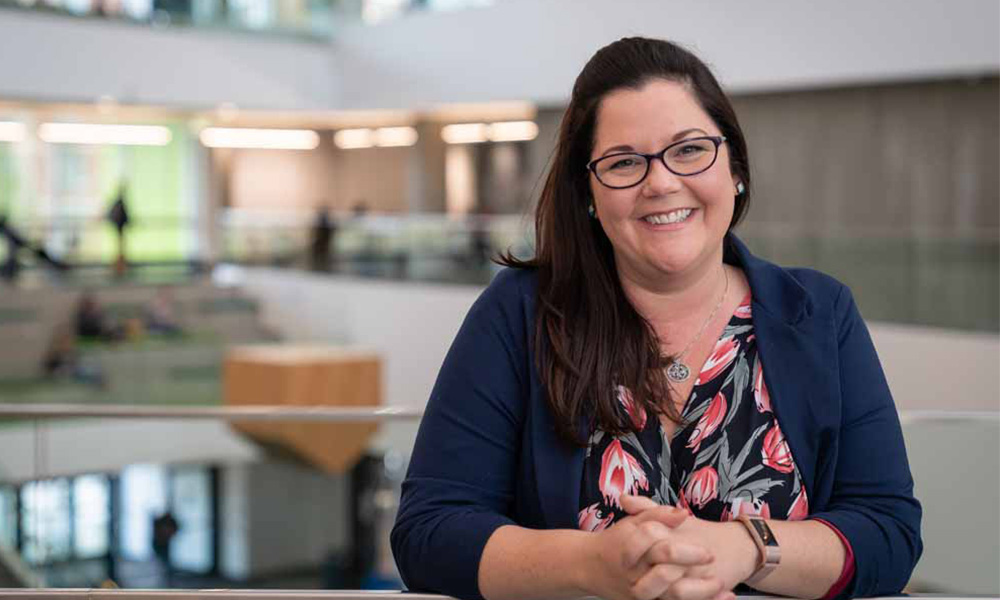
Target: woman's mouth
(669, 218)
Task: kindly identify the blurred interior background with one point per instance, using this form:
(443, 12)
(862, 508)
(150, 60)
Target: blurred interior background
(222, 203)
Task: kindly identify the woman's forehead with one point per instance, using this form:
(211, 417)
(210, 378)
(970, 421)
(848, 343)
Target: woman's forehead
(651, 114)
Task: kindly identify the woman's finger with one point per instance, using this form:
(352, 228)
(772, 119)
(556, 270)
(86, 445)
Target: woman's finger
(656, 581)
(689, 588)
(674, 552)
(671, 516)
(634, 505)
(644, 536)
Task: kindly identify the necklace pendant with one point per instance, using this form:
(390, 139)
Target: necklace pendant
(678, 372)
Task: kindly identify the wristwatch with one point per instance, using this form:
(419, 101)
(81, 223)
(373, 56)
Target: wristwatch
(767, 546)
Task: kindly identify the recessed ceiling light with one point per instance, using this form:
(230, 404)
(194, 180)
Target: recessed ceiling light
(352, 139)
(12, 132)
(513, 131)
(390, 137)
(465, 133)
(262, 139)
(110, 135)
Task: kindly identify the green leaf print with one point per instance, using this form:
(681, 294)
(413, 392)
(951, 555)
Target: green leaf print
(741, 376)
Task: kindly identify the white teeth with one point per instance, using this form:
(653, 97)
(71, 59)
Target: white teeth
(671, 217)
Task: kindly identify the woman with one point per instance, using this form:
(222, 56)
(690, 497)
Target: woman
(646, 410)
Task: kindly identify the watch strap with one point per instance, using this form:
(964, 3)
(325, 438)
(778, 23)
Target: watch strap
(769, 551)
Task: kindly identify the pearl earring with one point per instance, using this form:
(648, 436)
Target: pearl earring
(740, 188)
(591, 210)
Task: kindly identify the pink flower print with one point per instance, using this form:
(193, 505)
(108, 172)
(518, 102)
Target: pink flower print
(637, 414)
(708, 422)
(743, 311)
(800, 507)
(682, 502)
(702, 486)
(776, 452)
(760, 394)
(590, 519)
(621, 474)
(745, 506)
(722, 356)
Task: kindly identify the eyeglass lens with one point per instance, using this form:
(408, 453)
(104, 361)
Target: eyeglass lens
(685, 158)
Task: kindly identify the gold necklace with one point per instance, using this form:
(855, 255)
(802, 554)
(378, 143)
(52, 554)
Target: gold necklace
(677, 371)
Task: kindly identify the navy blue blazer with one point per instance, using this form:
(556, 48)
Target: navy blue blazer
(487, 455)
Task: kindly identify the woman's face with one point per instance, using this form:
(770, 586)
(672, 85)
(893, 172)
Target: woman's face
(647, 120)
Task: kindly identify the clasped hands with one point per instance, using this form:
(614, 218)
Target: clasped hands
(664, 552)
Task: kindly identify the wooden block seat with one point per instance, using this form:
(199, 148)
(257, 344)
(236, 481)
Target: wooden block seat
(305, 375)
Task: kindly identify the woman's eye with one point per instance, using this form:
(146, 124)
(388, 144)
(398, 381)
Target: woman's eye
(624, 163)
(690, 150)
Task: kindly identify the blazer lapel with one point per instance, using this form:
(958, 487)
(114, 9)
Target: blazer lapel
(795, 373)
(798, 354)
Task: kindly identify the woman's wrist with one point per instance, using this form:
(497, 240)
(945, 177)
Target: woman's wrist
(584, 563)
(748, 553)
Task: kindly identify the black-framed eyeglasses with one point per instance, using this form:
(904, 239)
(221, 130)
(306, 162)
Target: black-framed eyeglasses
(627, 169)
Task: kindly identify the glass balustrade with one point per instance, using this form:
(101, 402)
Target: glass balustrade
(932, 280)
(307, 19)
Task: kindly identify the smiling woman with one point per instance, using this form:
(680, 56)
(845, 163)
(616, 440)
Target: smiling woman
(645, 409)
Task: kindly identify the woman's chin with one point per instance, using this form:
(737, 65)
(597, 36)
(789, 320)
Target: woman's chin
(675, 264)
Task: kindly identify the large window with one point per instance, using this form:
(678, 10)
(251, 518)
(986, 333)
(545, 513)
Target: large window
(143, 498)
(8, 516)
(66, 523)
(312, 18)
(148, 491)
(45, 519)
(192, 507)
(374, 11)
(57, 195)
(91, 516)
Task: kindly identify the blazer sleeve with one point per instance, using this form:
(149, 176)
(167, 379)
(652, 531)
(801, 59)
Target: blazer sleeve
(872, 502)
(460, 484)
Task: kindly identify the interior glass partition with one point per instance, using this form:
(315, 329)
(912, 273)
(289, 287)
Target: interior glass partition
(939, 281)
(309, 19)
(8, 516)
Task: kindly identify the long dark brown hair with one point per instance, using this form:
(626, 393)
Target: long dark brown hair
(589, 338)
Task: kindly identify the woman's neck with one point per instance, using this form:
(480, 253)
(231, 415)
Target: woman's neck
(675, 304)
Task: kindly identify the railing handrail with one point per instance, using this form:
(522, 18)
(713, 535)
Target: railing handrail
(336, 414)
(150, 594)
(133, 594)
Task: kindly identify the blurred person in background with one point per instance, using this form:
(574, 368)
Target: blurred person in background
(15, 243)
(323, 243)
(646, 409)
(118, 217)
(91, 321)
(165, 528)
(161, 314)
(62, 359)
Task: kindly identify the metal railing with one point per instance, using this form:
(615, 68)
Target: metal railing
(101, 594)
(333, 414)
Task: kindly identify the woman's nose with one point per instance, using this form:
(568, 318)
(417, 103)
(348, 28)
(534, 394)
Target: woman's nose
(660, 179)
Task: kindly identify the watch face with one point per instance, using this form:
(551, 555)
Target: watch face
(764, 532)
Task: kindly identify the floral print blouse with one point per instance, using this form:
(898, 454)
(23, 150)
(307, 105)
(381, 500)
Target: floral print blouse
(728, 456)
